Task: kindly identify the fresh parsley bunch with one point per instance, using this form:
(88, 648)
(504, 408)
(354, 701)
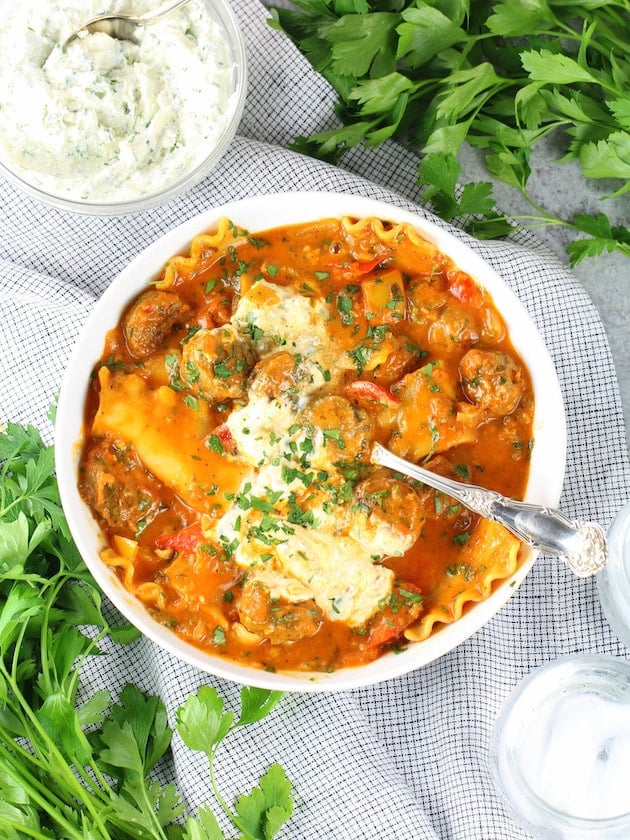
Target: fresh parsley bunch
(84, 770)
(500, 76)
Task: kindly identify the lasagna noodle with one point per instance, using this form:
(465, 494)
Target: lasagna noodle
(200, 247)
(492, 552)
(397, 236)
(167, 434)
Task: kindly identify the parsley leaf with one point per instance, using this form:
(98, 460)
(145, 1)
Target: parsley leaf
(203, 724)
(499, 76)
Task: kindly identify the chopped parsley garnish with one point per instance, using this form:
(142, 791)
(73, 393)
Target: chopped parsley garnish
(427, 372)
(290, 474)
(298, 516)
(378, 333)
(360, 356)
(255, 332)
(171, 360)
(191, 331)
(334, 434)
(192, 372)
(345, 303)
(463, 569)
(222, 370)
(258, 242)
(218, 637)
(229, 546)
(214, 444)
(462, 470)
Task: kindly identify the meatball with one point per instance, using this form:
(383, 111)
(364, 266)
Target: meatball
(274, 375)
(216, 363)
(389, 515)
(276, 619)
(347, 429)
(150, 319)
(456, 327)
(491, 380)
(429, 420)
(118, 489)
(425, 301)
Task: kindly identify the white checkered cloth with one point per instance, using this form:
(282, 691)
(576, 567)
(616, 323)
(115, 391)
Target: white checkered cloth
(407, 759)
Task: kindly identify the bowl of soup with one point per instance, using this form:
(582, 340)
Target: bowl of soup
(215, 427)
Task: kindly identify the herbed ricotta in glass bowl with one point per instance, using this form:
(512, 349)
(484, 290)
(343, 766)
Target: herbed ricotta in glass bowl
(109, 126)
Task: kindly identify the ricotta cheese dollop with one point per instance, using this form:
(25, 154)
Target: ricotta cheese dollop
(107, 120)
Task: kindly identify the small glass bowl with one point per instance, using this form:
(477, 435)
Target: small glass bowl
(613, 582)
(222, 13)
(560, 751)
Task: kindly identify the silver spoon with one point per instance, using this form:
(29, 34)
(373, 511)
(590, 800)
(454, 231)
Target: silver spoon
(582, 545)
(122, 26)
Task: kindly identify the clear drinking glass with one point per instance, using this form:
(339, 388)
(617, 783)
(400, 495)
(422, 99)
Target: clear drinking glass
(560, 753)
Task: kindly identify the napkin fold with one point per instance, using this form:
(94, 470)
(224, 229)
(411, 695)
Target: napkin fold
(407, 758)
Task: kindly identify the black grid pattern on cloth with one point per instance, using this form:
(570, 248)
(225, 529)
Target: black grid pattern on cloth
(408, 758)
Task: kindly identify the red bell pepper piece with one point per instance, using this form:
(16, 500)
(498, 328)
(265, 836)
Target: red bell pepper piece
(464, 288)
(402, 609)
(187, 539)
(356, 270)
(362, 268)
(227, 441)
(364, 390)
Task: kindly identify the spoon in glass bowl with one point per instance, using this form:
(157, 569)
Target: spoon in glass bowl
(122, 26)
(582, 545)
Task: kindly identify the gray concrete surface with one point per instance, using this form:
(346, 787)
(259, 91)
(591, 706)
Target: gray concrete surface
(562, 190)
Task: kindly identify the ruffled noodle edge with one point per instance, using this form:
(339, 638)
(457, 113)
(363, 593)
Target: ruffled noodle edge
(389, 233)
(492, 549)
(199, 248)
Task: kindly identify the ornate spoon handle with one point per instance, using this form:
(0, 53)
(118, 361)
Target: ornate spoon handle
(582, 545)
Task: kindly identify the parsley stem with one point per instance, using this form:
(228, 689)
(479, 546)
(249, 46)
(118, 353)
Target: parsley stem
(101, 786)
(17, 748)
(21, 829)
(44, 745)
(153, 816)
(52, 806)
(215, 787)
(617, 21)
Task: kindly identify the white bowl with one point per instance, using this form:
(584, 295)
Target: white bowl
(140, 196)
(256, 214)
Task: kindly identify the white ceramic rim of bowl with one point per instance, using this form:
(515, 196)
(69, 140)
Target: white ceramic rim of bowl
(222, 11)
(258, 214)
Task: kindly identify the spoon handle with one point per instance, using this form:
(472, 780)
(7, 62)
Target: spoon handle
(162, 12)
(582, 545)
(121, 25)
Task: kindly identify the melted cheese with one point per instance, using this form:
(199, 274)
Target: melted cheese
(261, 428)
(288, 320)
(351, 591)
